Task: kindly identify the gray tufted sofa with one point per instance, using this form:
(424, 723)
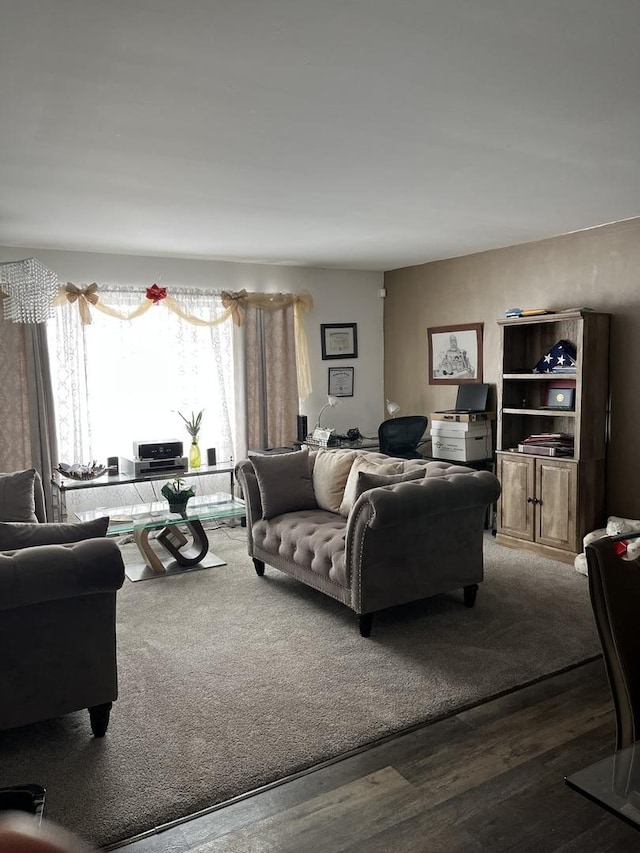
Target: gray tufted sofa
(394, 544)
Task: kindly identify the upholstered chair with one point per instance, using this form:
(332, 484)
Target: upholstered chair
(58, 586)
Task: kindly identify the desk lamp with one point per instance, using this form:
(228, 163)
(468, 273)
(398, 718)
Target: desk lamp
(392, 408)
(320, 434)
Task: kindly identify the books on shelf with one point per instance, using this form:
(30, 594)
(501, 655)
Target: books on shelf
(538, 437)
(526, 312)
(547, 444)
(546, 449)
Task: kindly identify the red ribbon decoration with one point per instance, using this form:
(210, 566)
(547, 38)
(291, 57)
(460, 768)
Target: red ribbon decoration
(156, 294)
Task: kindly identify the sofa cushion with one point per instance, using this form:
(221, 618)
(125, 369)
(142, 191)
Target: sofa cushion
(17, 502)
(330, 474)
(285, 482)
(368, 481)
(17, 535)
(313, 540)
(372, 466)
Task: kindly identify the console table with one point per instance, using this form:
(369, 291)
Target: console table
(61, 485)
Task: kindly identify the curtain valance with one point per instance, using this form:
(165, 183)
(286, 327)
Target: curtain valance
(234, 306)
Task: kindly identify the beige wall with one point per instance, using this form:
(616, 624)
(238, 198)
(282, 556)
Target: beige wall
(599, 268)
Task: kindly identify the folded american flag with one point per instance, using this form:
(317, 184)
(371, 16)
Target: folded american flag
(561, 358)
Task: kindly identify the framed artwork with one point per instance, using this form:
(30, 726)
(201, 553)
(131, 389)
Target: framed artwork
(455, 354)
(341, 381)
(339, 340)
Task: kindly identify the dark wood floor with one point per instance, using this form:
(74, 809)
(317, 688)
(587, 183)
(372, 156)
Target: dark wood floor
(488, 779)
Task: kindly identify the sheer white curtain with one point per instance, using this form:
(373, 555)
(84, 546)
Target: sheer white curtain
(118, 381)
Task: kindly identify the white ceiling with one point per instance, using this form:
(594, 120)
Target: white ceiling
(368, 134)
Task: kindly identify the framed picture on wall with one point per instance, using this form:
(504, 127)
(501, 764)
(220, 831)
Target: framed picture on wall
(339, 340)
(341, 381)
(455, 354)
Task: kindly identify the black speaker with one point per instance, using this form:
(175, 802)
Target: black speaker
(113, 465)
(211, 456)
(302, 427)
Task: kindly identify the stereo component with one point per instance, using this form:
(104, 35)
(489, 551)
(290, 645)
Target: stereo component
(141, 467)
(303, 428)
(170, 449)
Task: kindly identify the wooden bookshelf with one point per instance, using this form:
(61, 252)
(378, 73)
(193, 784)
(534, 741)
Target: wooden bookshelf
(548, 504)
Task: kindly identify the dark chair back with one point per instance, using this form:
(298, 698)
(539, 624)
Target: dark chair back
(614, 585)
(401, 436)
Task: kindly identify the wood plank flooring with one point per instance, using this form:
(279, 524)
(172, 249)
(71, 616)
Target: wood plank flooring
(487, 779)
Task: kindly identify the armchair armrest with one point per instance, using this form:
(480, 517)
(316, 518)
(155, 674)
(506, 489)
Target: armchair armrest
(50, 572)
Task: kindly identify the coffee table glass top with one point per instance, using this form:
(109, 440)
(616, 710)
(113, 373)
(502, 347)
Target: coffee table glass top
(613, 783)
(127, 519)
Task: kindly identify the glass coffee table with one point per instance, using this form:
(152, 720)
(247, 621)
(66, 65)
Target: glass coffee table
(182, 536)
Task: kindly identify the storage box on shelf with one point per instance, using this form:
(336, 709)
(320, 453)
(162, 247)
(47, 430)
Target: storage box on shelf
(549, 503)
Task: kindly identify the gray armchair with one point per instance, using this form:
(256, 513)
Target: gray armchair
(57, 618)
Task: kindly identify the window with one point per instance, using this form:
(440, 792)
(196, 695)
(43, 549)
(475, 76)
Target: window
(118, 381)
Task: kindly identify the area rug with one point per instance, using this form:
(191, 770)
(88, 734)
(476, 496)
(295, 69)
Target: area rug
(229, 681)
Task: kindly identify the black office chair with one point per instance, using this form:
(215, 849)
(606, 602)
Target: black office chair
(401, 436)
(614, 585)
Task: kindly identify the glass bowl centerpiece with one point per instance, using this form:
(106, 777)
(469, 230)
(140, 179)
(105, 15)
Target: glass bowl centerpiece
(81, 472)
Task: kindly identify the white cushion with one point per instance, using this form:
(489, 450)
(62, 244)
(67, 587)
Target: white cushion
(330, 473)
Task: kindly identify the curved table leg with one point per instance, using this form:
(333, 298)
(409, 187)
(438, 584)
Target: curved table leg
(185, 556)
(141, 538)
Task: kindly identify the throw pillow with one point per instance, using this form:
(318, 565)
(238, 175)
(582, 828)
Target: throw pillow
(17, 535)
(368, 481)
(285, 483)
(368, 465)
(330, 474)
(17, 502)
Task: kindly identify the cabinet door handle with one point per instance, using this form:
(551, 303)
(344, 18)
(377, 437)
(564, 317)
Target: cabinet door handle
(531, 500)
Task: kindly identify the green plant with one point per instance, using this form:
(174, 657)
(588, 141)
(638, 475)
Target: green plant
(175, 489)
(193, 423)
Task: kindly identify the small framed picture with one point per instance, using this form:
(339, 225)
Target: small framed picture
(560, 398)
(341, 381)
(339, 340)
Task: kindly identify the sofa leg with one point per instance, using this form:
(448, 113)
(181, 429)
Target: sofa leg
(470, 593)
(99, 716)
(259, 567)
(365, 620)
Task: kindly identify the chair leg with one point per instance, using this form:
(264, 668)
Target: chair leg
(99, 716)
(470, 593)
(365, 620)
(258, 566)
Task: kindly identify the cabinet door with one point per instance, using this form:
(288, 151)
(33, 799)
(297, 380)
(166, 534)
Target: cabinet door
(515, 512)
(556, 490)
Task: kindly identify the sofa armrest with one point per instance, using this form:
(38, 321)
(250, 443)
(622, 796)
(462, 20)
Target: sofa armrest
(426, 499)
(50, 572)
(246, 478)
(416, 539)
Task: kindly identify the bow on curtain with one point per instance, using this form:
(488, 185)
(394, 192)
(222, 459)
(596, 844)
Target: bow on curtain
(236, 303)
(85, 296)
